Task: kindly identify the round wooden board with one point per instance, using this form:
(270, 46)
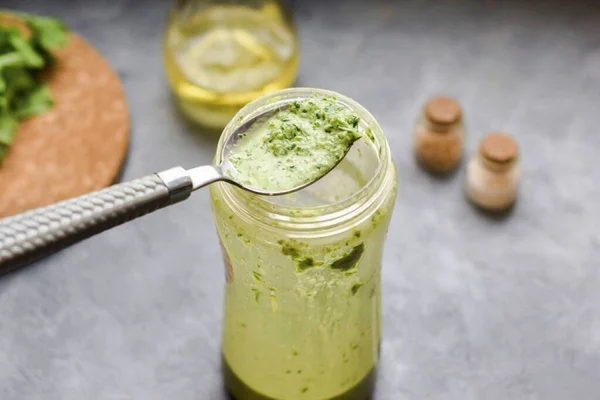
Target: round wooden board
(76, 147)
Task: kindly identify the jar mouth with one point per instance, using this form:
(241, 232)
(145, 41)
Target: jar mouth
(266, 209)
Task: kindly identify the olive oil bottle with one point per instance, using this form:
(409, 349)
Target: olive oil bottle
(221, 54)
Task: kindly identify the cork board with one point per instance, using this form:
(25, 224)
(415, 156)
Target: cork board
(76, 147)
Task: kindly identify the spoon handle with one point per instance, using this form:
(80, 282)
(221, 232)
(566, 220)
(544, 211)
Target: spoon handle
(33, 234)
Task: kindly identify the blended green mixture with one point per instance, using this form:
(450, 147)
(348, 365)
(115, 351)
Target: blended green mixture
(295, 145)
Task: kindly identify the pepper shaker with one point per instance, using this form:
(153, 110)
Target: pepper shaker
(439, 135)
(493, 173)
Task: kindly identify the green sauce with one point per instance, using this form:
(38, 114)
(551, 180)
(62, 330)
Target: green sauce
(302, 317)
(297, 252)
(350, 260)
(295, 145)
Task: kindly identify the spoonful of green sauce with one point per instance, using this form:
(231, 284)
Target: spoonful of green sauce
(279, 150)
(292, 147)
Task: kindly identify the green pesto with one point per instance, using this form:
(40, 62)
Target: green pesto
(257, 276)
(296, 145)
(304, 263)
(345, 264)
(257, 294)
(369, 133)
(291, 248)
(376, 219)
(350, 260)
(355, 288)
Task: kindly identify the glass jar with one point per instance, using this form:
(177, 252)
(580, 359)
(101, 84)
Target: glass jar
(493, 173)
(302, 314)
(439, 135)
(221, 54)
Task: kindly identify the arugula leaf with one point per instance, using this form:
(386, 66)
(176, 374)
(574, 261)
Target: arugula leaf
(22, 94)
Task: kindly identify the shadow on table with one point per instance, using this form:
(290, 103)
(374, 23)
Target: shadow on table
(496, 216)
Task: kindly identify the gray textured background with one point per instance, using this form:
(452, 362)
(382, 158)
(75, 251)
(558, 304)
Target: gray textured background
(474, 307)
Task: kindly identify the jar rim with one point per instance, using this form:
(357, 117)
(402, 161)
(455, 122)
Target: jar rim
(298, 217)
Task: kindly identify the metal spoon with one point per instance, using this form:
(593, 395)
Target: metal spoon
(33, 234)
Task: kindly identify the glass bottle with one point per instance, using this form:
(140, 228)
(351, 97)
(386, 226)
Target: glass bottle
(493, 173)
(302, 314)
(221, 54)
(439, 135)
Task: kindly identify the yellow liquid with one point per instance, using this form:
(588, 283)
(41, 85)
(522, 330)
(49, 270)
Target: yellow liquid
(223, 57)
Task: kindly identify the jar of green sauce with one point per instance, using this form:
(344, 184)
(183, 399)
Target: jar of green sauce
(302, 314)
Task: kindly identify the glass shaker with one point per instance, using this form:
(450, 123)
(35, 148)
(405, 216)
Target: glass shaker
(439, 135)
(302, 313)
(221, 54)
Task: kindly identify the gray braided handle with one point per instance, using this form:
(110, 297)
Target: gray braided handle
(34, 234)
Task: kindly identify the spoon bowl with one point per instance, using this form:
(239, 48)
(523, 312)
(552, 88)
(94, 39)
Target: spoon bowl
(226, 171)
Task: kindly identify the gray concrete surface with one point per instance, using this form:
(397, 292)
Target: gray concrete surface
(474, 307)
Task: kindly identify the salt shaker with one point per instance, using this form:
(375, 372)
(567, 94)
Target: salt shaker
(493, 173)
(439, 135)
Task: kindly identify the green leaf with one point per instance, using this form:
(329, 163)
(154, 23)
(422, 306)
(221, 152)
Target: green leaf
(5, 34)
(21, 93)
(3, 152)
(20, 79)
(4, 104)
(27, 52)
(8, 129)
(33, 102)
(51, 33)
(10, 60)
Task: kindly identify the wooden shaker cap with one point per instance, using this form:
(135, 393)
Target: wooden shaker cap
(443, 110)
(499, 148)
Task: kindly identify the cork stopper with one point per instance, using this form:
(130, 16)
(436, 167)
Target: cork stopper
(499, 148)
(443, 110)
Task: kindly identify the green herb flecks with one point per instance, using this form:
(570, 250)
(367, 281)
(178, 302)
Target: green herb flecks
(350, 260)
(289, 248)
(22, 57)
(257, 276)
(304, 263)
(292, 249)
(257, 294)
(369, 134)
(355, 288)
(296, 144)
